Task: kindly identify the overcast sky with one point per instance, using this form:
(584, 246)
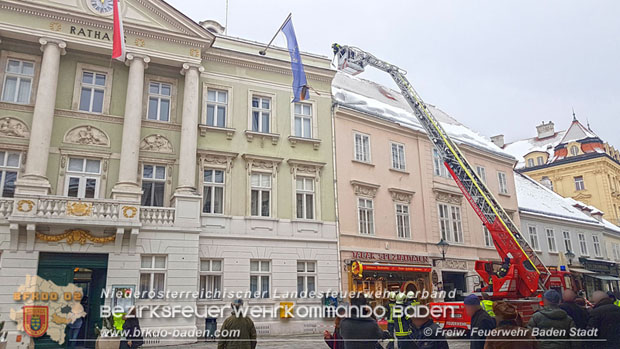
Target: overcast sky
(496, 66)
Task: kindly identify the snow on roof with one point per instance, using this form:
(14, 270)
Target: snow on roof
(535, 198)
(375, 99)
(522, 147)
(610, 226)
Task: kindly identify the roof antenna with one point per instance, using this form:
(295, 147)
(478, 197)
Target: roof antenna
(574, 117)
(588, 123)
(226, 20)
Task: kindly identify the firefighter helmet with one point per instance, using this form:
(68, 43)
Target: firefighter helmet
(400, 298)
(410, 295)
(392, 296)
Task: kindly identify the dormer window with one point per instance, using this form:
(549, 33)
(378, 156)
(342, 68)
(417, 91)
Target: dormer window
(574, 150)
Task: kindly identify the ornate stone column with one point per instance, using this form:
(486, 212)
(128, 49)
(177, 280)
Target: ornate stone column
(127, 187)
(35, 181)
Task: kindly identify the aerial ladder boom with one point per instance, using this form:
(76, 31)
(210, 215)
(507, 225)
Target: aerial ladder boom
(528, 272)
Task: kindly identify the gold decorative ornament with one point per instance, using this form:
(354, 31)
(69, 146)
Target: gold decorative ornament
(76, 235)
(55, 26)
(79, 209)
(25, 205)
(140, 42)
(194, 52)
(129, 211)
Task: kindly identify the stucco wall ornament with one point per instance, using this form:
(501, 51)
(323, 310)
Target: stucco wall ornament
(87, 135)
(76, 235)
(12, 127)
(156, 143)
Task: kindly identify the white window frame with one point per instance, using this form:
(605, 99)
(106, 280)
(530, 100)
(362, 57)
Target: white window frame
(615, 247)
(209, 276)
(583, 244)
(596, 242)
(365, 216)
(309, 133)
(403, 220)
(450, 222)
(83, 177)
(217, 105)
(439, 169)
(568, 243)
(532, 232)
(502, 181)
(361, 153)
(151, 271)
(155, 180)
(551, 243)
(5, 55)
(397, 150)
(303, 274)
(540, 161)
(260, 110)
(260, 274)
(213, 185)
(92, 87)
(580, 183)
(305, 193)
(574, 150)
(20, 77)
(5, 168)
(159, 97)
(77, 90)
(482, 173)
(530, 162)
(488, 239)
(260, 188)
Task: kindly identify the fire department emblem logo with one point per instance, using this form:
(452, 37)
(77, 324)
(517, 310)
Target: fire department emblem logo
(35, 320)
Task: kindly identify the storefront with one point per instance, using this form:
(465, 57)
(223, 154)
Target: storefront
(597, 275)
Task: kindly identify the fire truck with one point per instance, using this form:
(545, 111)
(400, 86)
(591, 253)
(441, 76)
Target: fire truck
(522, 277)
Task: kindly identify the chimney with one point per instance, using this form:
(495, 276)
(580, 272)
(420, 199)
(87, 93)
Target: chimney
(545, 130)
(498, 140)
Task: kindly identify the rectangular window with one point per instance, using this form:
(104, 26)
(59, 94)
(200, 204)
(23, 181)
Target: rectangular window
(362, 147)
(82, 179)
(579, 184)
(92, 91)
(583, 245)
(439, 168)
(402, 221)
(261, 114)
(302, 120)
(597, 246)
(159, 101)
(213, 191)
(217, 106)
(539, 161)
(305, 197)
(260, 195)
(9, 167)
(306, 278)
(210, 279)
(18, 81)
(616, 251)
(551, 240)
(482, 173)
(503, 183)
(450, 223)
(153, 275)
(568, 244)
(153, 185)
(260, 273)
(488, 239)
(530, 162)
(533, 233)
(365, 216)
(398, 156)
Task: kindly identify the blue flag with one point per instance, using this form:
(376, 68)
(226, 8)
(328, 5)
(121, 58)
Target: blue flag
(300, 84)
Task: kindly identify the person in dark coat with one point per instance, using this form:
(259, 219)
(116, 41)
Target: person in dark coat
(552, 318)
(605, 316)
(334, 340)
(481, 321)
(578, 313)
(426, 334)
(246, 336)
(132, 331)
(360, 330)
(509, 334)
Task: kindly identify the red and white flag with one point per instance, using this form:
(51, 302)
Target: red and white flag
(118, 39)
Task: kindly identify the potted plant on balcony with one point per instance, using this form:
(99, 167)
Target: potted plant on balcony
(3, 336)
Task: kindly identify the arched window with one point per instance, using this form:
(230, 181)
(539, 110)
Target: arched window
(574, 150)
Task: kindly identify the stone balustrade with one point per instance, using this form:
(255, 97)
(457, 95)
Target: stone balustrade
(157, 215)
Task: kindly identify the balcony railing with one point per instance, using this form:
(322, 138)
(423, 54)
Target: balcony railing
(157, 215)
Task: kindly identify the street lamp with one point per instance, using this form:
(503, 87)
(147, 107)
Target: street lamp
(442, 246)
(570, 255)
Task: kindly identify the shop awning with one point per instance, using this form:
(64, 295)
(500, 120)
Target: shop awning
(605, 277)
(396, 267)
(581, 271)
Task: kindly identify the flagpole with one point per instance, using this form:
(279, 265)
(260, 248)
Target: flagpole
(264, 51)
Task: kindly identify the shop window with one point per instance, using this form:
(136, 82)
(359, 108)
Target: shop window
(260, 275)
(18, 78)
(583, 245)
(403, 226)
(503, 182)
(450, 225)
(213, 191)
(362, 147)
(92, 91)
(488, 239)
(9, 167)
(261, 114)
(551, 240)
(160, 95)
(579, 183)
(533, 234)
(217, 107)
(302, 120)
(153, 185)
(153, 275)
(211, 279)
(365, 211)
(597, 246)
(306, 277)
(398, 156)
(82, 179)
(260, 198)
(482, 173)
(305, 197)
(439, 169)
(568, 244)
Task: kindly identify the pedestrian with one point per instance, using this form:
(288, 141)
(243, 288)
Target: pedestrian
(390, 318)
(487, 303)
(605, 318)
(241, 326)
(334, 340)
(131, 331)
(552, 318)
(613, 298)
(426, 334)
(578, 313)
(481, 321)
(360, 330)
(508, 333)
(402, 323)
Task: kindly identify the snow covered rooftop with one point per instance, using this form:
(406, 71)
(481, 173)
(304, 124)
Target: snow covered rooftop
(577, 131)
(522, 147)
(380, 101)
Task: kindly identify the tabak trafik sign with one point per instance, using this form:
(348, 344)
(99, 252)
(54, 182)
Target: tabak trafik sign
(390, 257)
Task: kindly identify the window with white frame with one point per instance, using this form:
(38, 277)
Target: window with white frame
(160, 95)
(217, 107)
(568, 244)
(403, 227)
(306, 278)
(153, 185)
(539, 161)
(365, 216)
(261, 114)
(362, 147)
(92, 91)
(260, 274)
(574, 150)
(82, 178)
(439, 169)
(213, 191)
(398, 156)
(503, 182)
(211, 279)
(260, 197)
(597, 246)
(616, 251)
(579, 184)
(305, 197)
(450, 224)
(153, 275)
(9, 167)
(551, 240)
(302, 120)
(530, 162)
(533, 233)
(18, 78)
(583, 245)
(482, 173)
(488, 239)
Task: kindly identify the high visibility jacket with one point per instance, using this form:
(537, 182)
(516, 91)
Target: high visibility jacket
(390, 318)
(402, 326)
(617, 302)
(488, 306)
